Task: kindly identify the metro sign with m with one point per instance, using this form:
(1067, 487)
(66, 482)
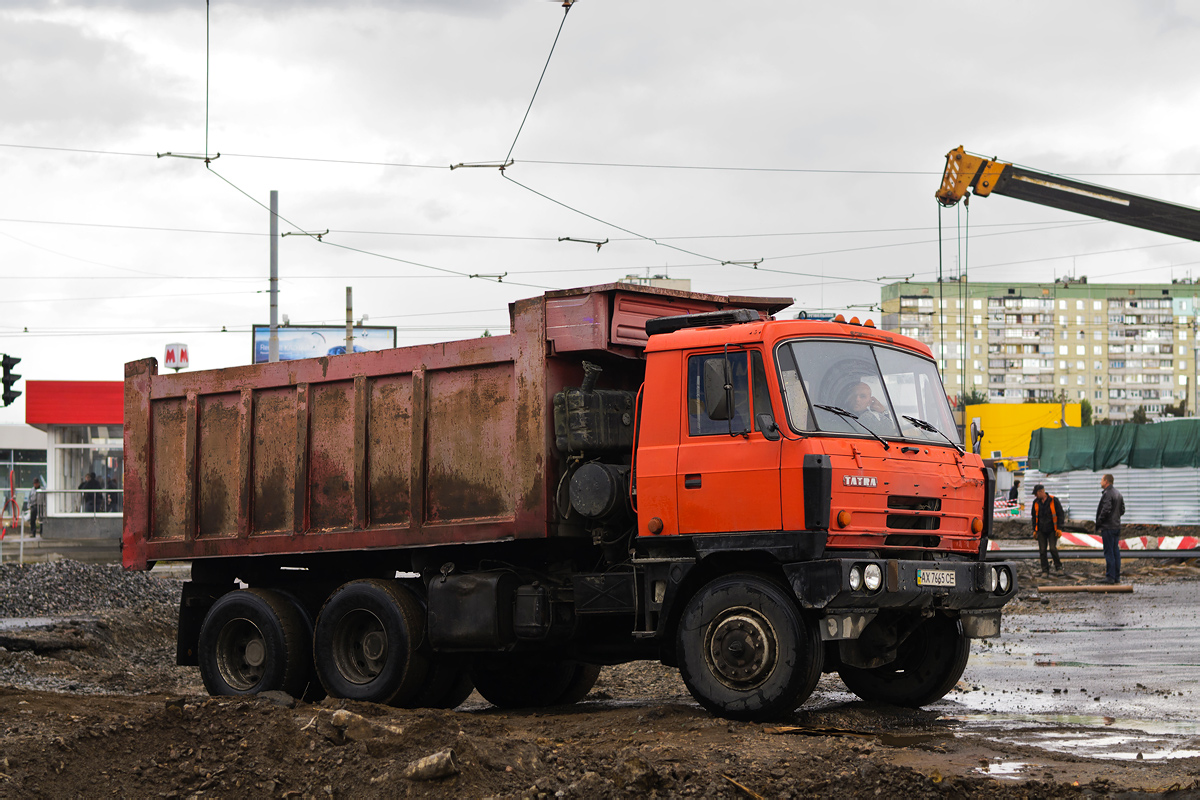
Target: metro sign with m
(176, 356)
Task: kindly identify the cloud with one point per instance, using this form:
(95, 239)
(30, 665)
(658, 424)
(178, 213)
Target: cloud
(60, 77)
(457, 7)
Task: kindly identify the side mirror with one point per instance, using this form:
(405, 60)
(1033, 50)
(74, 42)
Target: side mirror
(716, 398)
(766, 424)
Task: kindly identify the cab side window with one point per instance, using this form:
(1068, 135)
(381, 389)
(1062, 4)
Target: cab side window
(699, 423)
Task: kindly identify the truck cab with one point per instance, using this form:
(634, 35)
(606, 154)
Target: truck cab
(807, 476)
(835, 431)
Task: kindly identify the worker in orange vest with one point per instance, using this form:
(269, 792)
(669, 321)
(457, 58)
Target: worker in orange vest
(1047, 516)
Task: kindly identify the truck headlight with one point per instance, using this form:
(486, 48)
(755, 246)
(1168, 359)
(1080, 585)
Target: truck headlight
(855, 578)
(872, 577)
(1005, 581)
(993, 580)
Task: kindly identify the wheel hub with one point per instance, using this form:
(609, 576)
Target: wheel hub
(741, 649)
(360, 646)
(256, 652)
(374, 645)
(241, 654)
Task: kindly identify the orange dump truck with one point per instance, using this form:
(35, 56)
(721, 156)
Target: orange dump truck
(629, 474)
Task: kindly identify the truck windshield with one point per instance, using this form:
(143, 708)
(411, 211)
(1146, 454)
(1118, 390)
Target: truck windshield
(843, 375)
(879, 385)
(916, 391)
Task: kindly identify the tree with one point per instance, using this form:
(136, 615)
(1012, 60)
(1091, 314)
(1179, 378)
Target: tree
(1085, 413)
(972, 398)
(1177, 410)
(1138, 417)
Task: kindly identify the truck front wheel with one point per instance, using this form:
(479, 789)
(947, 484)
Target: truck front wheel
(254, 640)
(928, 664)
(744, 650)
(367, 643)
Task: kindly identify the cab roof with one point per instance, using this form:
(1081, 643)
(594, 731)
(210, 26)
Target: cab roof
(771, 331)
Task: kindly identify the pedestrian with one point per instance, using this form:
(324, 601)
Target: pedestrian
(1047, 516)
(1108, 525)
(35, 506)
(1015, 492)
(112, 500)
(90, 500)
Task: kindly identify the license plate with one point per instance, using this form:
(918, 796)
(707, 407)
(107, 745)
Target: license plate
(935, 577)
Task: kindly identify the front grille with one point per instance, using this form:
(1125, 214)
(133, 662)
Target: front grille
(913, 522)
(909, 503)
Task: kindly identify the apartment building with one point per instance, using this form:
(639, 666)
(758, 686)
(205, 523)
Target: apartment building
(1117, 345)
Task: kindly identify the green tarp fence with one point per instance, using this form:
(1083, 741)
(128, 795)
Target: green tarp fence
(1100, 447)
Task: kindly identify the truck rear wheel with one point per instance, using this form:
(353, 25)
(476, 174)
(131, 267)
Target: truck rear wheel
(927, 666)
(529, 683)
(744, 650)
(367, 643)
(447, 684)
(254, 640)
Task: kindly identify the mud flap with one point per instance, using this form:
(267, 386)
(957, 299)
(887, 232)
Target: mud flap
(980, 624)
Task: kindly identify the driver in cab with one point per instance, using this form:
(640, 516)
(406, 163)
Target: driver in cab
(869, 410)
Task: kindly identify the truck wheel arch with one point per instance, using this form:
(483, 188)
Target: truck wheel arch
(700, 574)
(746, 650)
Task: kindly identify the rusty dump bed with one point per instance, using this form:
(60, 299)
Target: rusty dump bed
(432, 444)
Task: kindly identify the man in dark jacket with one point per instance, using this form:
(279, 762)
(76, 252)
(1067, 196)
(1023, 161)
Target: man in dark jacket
(91, 502)
(1108, 525)
(1047, 519)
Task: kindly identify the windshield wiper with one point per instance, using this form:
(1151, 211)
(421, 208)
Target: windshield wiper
(841, 412)
(925, 426)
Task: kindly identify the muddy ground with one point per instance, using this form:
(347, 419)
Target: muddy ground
(92, 705)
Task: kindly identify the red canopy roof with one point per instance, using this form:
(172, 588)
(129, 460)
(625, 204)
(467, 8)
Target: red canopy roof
(74, 402)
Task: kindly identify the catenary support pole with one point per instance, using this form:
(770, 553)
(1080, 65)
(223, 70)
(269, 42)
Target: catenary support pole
(349, 321)
(273, 346)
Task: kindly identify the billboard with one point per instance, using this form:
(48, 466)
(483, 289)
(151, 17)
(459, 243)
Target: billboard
(313, 341)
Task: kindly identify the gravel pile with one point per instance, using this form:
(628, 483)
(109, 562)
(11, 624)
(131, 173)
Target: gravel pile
(62, 587)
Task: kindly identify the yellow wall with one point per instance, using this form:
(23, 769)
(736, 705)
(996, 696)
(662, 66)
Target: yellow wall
(1007, 426)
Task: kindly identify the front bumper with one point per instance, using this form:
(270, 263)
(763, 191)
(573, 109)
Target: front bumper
(972, 591)
(948, 585)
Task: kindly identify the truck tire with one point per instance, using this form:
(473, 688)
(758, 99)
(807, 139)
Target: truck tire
(254, 640)
(367, 643)
(581, 683)
(313, 691)
(928, 665)
(447, 684)
(744, 650)
(530, 683)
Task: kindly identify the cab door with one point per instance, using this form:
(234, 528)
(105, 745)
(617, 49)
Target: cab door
(728, 472)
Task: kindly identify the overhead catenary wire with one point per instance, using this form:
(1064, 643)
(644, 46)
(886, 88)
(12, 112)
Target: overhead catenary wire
(566, 10)
(698, 167)
(351, 231)
(325, 241)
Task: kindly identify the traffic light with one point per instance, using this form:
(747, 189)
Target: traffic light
(10, 378)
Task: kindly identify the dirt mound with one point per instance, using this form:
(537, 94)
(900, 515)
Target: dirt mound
(177, 747)
(61, 587)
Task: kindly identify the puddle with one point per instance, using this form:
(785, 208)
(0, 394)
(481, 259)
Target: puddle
(1093, 736)
(1120, 746)
(22, 623)
(26, 623)
(1003, 769)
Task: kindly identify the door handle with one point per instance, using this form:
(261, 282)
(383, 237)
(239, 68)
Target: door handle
(691, 481)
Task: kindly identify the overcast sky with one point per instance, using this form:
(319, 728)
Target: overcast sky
(828, 122)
